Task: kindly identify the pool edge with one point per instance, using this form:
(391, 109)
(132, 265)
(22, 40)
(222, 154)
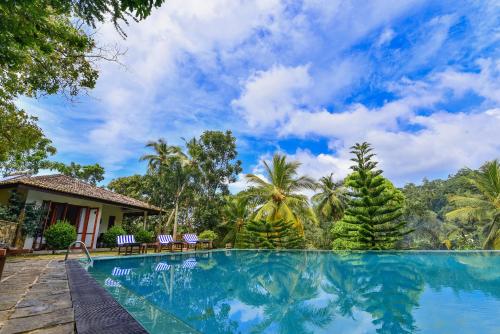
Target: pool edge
(96, 311)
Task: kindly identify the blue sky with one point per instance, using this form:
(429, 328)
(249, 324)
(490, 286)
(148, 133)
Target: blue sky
(420, 80)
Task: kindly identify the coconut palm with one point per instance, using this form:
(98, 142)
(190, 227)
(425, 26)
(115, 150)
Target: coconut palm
(163, 154)
(330, 201)
(236, 213)
(280, 197)
(483, 206)
(172, 166)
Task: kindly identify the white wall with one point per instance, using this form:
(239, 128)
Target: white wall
(105, 210)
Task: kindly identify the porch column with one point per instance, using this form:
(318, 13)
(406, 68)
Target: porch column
(145, 219)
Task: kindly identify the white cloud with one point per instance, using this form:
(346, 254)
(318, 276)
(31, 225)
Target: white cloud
(269, 97)
(152, 97)
(439, 143)
(485, 83)
(320, 165)
(272, 71)
(385, 37)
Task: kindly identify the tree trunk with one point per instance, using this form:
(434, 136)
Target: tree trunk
(177, 198)
(170, 217)
(176, 216)
(491, 237)
(19, 231)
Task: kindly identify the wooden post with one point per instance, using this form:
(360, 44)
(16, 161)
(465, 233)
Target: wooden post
(145, 219)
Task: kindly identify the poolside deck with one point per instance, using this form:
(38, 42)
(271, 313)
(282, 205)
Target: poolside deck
(35, 297)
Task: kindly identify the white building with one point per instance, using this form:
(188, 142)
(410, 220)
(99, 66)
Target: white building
(91, 209)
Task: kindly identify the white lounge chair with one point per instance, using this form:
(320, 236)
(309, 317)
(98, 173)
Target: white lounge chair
(127, 241)
(192, 239)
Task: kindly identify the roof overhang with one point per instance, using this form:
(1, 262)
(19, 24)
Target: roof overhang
(21, 186)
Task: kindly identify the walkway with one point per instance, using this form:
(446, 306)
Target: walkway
(35, 298)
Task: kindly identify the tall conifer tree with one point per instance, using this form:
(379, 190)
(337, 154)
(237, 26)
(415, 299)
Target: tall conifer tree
(373, 208)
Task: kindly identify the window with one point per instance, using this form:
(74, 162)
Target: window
(111, 221)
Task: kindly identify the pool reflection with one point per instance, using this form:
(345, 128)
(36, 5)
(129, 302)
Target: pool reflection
(305, 292)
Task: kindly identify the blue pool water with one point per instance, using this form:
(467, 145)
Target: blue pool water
(308, 291)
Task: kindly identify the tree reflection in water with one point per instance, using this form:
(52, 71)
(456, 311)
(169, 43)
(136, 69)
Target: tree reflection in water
(296, 291)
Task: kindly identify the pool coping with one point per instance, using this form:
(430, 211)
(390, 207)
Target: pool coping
(96, 311)
(337, 251)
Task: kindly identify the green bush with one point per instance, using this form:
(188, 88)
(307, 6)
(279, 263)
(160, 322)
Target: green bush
(109, 237)
(143, 235)
(60, 235)
(208, 234)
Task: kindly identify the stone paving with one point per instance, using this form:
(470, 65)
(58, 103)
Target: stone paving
(35, 298)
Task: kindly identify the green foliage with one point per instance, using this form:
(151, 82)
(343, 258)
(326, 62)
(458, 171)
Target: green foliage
(119, 11)
(266, 234)
(279, 199)
(236, 212)
(86, 173)
(23, 145)
(46, 49)
(12, 210)
(43, 48)
(33, 213)
(208, 235)
(33, 218)
(41, 53)
(143, 235)
(60, 235)
(109, 237)
(215, 165)
(425, 210)
(331, 200)
(169, 175)
(134, 186)
(329, 204)
(484, 206)
(371, 220)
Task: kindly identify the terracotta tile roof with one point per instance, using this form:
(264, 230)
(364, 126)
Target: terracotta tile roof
(68, 185)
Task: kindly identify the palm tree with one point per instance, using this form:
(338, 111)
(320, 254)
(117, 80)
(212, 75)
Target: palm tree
(483, 206)
(162, 153)
(330, 201)
(279, 198)
(236, 213)
(170, 160)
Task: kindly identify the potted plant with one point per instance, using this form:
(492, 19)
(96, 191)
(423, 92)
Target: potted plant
(3, 256)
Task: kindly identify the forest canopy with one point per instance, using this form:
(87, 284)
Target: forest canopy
(362, 211)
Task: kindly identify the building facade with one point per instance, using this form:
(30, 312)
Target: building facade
(91, 209)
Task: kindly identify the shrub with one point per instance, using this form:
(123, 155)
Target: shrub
(208, 234)
(270, 235)
(109, 237)
(143, 235)
(60, 235)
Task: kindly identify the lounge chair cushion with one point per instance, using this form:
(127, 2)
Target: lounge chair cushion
(165, 239)
(190, 238)
(125, 239)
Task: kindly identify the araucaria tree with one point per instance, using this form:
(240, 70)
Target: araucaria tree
(374, 206)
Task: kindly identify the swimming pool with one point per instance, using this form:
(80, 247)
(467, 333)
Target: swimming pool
(242, 291)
